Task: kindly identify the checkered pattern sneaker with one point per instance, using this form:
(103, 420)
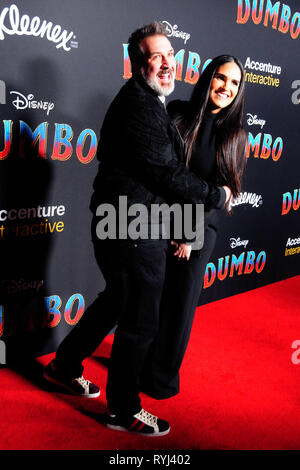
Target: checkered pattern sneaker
(141, 423)
(79, 386)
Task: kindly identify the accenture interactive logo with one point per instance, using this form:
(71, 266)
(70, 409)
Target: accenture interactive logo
(11, 23)
(262, 73)
(292, 246)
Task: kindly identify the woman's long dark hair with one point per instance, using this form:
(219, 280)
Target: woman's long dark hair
(231, 138)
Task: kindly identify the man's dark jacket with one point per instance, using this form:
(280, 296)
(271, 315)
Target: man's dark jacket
(141, 155)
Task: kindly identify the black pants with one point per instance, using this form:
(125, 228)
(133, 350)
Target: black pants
(183, 285)
(134, 273)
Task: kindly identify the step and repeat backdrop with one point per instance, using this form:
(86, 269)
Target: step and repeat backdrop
(62, 62)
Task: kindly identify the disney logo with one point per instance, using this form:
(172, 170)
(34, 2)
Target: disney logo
(21, 285)
(235, 242)
(23, 102)
(174, 32)
(254, 121)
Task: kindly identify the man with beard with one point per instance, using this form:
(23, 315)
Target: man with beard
(141, 157)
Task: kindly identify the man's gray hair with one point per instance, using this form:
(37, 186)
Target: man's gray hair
(135, 52)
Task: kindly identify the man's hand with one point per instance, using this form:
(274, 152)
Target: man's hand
(182, 250)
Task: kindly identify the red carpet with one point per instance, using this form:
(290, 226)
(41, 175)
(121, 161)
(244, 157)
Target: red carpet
(239, 387)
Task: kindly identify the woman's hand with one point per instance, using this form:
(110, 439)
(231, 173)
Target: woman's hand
(228, 193)
(182, 250)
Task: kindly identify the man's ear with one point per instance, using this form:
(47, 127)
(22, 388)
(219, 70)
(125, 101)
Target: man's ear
(136, 68)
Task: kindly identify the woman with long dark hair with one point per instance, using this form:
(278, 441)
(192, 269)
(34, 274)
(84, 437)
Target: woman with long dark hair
(210, 124)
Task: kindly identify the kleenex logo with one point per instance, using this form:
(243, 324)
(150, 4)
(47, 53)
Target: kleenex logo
(24, 25)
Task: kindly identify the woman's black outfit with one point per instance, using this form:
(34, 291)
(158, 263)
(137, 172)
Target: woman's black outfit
(184, 279)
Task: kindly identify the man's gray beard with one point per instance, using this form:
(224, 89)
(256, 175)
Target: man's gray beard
(161, 91)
